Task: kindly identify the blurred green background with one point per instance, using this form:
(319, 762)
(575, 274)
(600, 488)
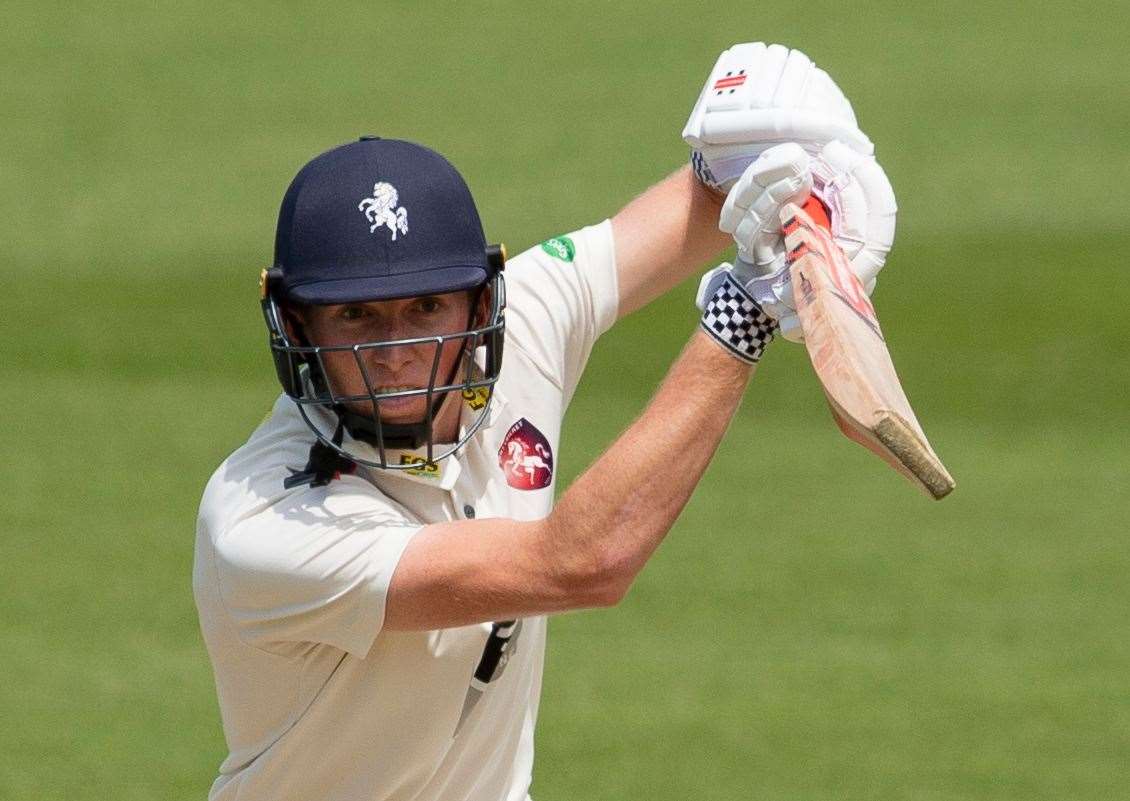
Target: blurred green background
(813, 628)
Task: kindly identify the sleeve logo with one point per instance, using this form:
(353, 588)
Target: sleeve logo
(525, 457)
(560, 247)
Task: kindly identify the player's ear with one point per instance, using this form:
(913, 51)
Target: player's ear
(295, 318)
(481, 311)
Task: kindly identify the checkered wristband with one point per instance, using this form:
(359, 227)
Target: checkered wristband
(736, 320)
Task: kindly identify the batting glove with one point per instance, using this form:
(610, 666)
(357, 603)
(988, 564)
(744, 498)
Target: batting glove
(861, 206)
(861, 210)
(762, 95)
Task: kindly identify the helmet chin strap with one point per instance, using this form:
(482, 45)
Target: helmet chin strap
(322, 466)
(399, 436)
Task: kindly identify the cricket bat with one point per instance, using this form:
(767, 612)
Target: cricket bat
(849, 353)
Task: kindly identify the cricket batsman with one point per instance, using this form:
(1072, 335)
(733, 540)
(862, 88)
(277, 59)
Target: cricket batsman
(374, 567)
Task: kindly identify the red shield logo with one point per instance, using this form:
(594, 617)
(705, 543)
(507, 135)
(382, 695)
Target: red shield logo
(525, 457)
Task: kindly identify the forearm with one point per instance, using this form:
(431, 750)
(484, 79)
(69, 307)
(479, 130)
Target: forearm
(664, 236)
(617, 512)
(604, 528)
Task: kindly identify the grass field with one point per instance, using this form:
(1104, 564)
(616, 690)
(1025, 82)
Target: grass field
(813, 628)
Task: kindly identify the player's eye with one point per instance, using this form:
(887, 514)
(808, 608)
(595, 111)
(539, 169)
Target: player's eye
(351, 312)
(429, 305)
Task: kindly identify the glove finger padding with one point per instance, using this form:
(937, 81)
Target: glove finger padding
(750, 214)
(760, 95)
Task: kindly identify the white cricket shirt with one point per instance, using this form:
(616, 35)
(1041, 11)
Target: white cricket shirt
(318, 703)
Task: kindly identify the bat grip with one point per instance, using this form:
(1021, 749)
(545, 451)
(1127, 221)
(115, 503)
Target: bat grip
(814, 207)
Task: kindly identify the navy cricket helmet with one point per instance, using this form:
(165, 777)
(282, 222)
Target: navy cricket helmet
(373, 220)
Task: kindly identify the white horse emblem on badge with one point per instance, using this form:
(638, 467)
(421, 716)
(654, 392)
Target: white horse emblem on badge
(381, 209)
(519, 460)
(526, 457)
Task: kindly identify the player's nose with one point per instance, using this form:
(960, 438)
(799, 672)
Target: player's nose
(393, 359)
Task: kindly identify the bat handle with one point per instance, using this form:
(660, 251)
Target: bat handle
(814, 207)
(816, 210)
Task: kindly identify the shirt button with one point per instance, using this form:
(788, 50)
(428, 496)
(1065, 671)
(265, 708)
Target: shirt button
(469, 511)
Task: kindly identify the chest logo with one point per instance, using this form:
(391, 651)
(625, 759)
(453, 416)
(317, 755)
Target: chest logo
(525, 457)
(381, 209)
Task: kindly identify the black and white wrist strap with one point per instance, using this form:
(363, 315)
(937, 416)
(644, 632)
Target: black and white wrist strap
(735, 320)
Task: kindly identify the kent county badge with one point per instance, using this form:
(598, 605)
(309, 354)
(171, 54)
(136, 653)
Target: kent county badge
(525, 457)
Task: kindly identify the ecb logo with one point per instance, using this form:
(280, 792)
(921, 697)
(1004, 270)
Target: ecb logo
(525, 457)
(381, 209)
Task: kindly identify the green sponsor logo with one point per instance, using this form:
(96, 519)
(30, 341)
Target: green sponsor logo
(560, 247)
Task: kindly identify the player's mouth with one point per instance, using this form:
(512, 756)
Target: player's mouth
(396, 388)
(402, 403)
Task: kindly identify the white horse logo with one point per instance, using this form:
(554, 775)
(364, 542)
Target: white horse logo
(518, 461)
(381, 209)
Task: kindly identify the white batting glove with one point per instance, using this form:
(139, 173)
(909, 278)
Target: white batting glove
(751, 213)
(762, 95)
(853, 188)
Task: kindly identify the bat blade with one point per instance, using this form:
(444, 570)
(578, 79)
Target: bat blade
(849, 354)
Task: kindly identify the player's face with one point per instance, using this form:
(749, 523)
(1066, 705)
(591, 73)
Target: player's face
(390, 368)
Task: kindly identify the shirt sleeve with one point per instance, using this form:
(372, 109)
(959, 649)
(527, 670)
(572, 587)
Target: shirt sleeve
(315, 567)
(561, 296)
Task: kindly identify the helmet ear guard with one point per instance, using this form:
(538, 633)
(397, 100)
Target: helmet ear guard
(287, 363)
(496, 257)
